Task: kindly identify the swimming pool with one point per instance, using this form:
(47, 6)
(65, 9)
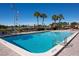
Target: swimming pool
(38, 42)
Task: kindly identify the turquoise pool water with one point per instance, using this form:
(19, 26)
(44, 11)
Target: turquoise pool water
(38, 42)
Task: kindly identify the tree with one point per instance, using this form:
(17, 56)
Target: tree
(60, 17)
(43, 16)
(55, 18)
(74, 25)
(37, 15)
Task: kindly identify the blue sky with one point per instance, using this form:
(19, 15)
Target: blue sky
(26, 11)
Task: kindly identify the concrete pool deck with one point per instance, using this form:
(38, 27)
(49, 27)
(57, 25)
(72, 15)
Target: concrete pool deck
(5, 51)
(72, 49)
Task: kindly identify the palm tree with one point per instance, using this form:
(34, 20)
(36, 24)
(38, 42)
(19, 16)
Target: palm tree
(43, 16)
(55, 18)
(37, 15)
(60, 18)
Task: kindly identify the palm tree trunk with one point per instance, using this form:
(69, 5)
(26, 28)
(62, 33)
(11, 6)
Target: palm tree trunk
(43, 22)
(37, 21)
(55, 25)
(59, 20)
(59, 24)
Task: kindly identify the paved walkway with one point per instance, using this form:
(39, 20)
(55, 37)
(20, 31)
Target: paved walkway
(72, 49)
(5, 51)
